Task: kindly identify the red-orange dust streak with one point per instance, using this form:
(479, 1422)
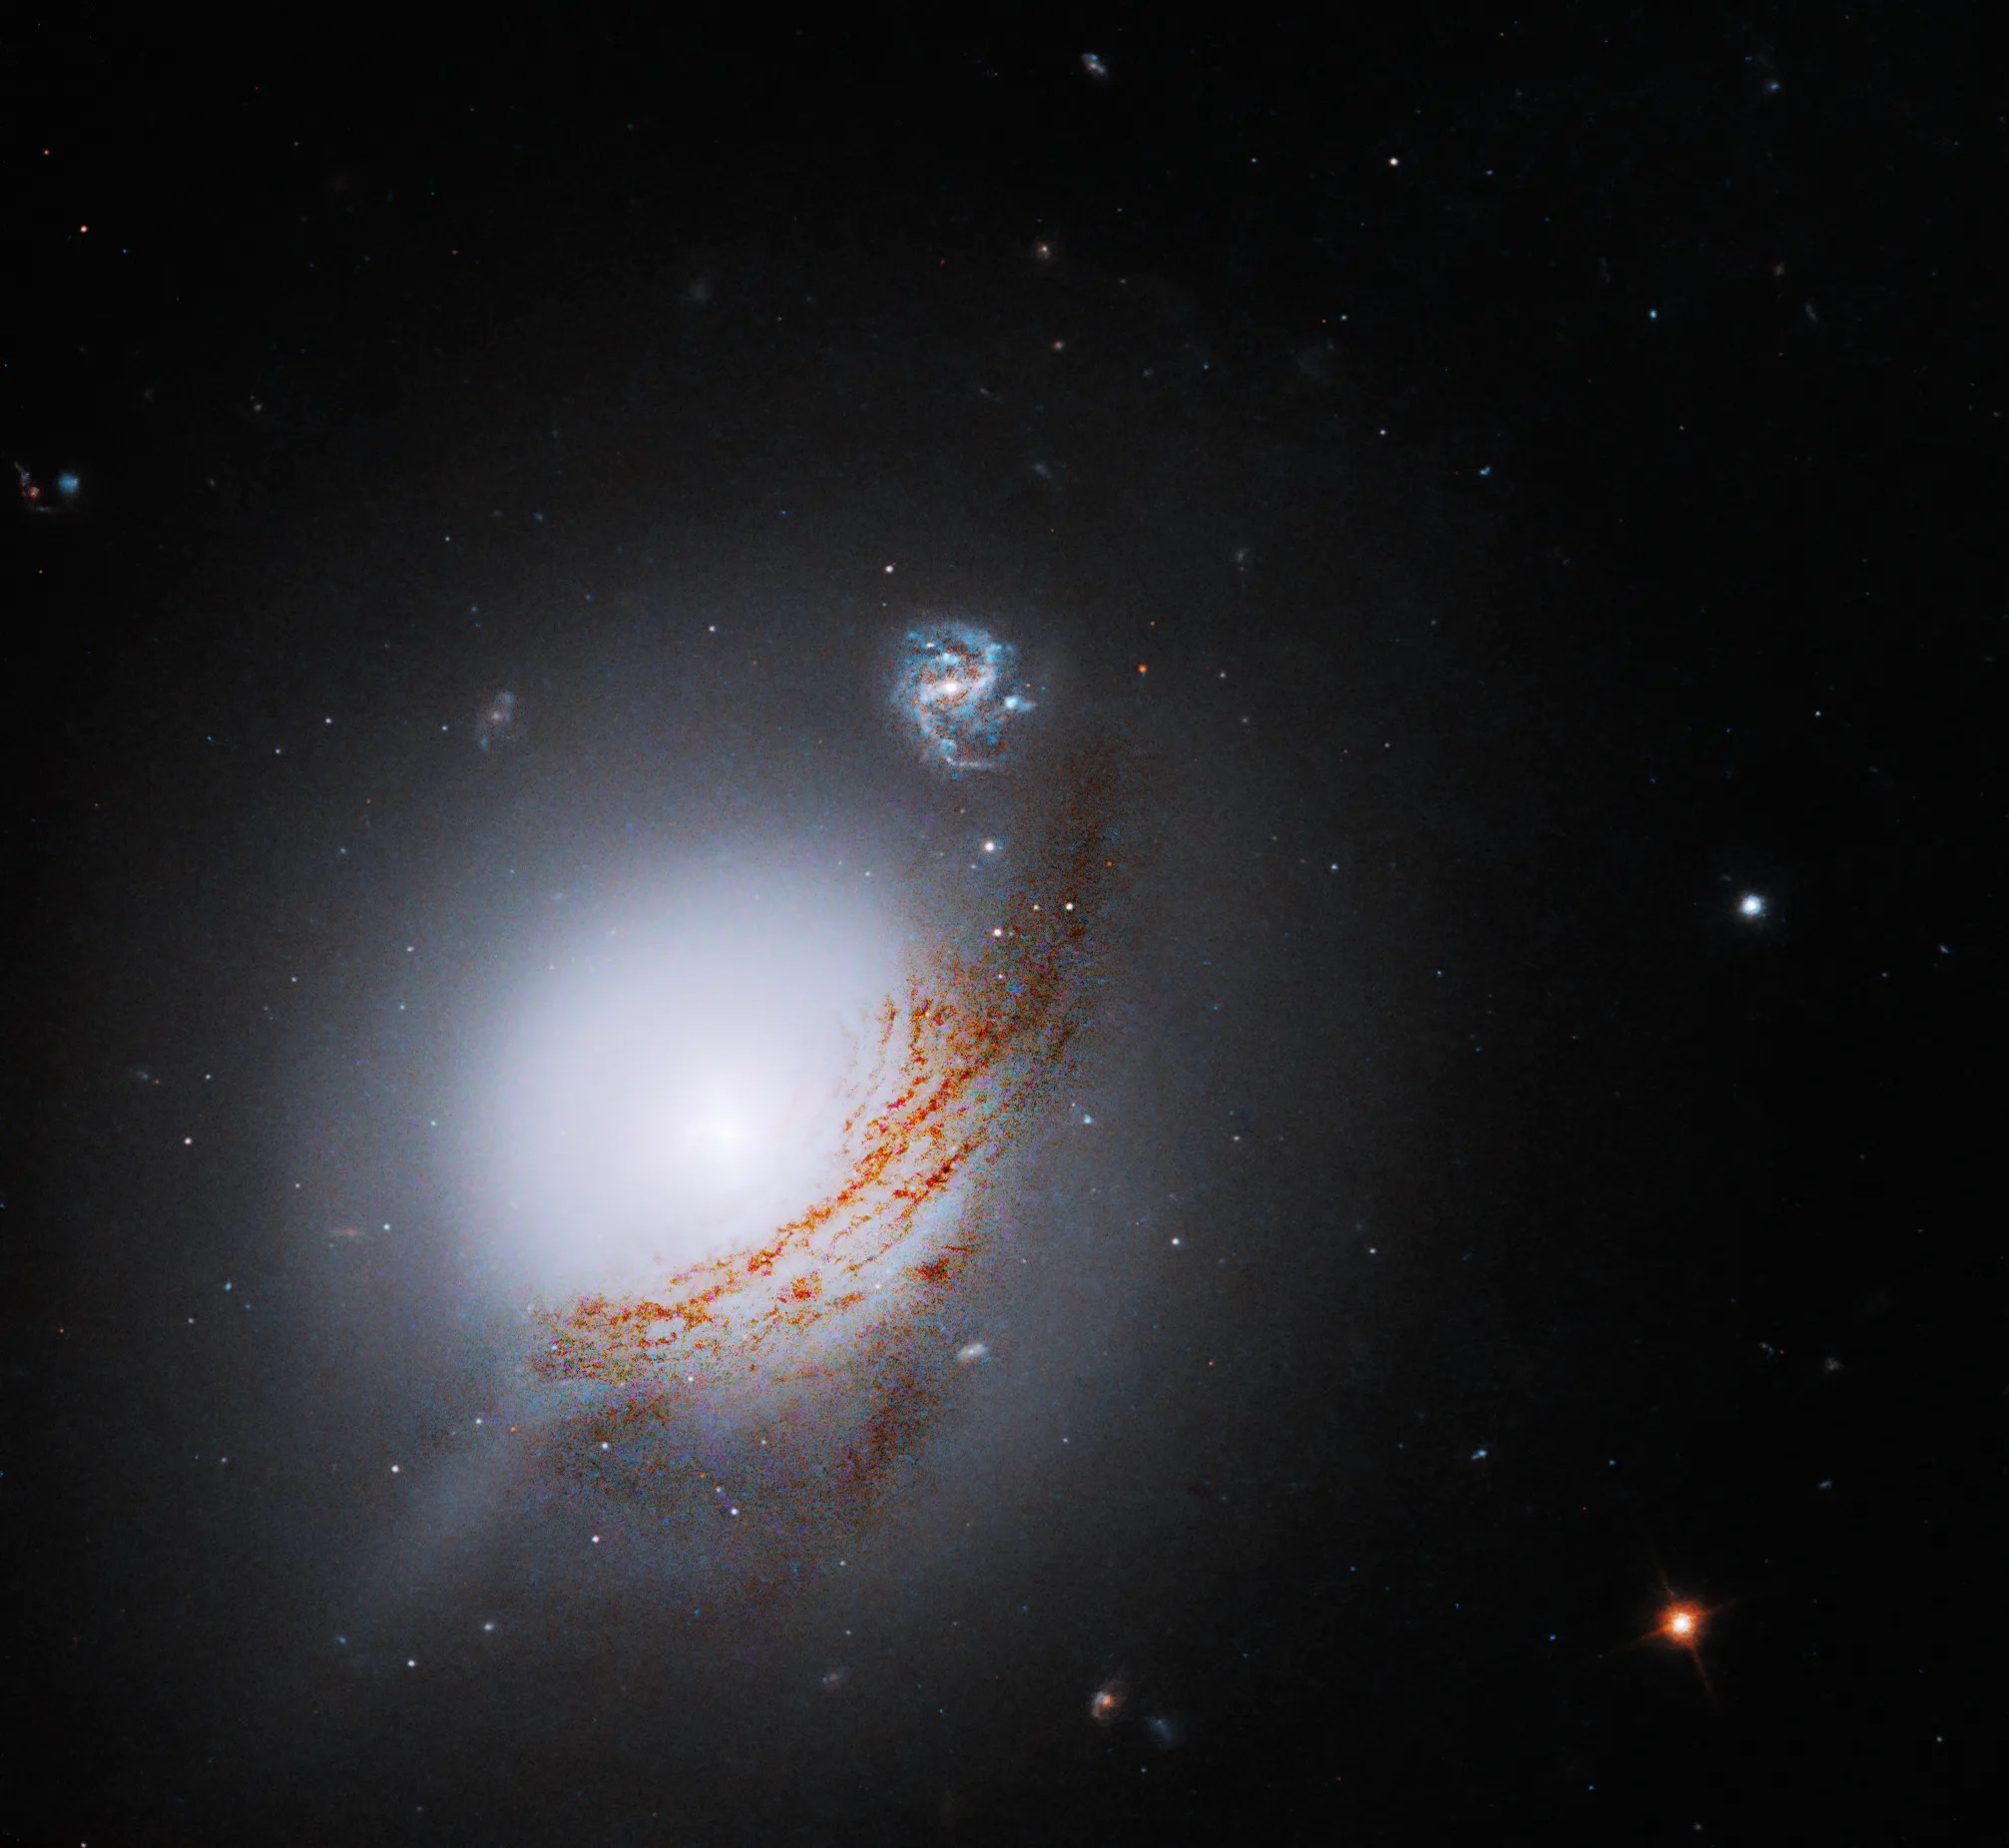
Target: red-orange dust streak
(954, 1065)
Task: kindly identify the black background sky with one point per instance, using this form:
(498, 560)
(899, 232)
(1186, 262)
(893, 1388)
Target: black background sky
(1550, 467)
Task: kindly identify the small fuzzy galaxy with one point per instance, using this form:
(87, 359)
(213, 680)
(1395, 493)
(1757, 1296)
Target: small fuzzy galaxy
(956, 686)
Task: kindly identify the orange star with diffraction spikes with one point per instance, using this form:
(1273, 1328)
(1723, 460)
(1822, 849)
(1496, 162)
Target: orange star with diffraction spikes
(1683, 1624)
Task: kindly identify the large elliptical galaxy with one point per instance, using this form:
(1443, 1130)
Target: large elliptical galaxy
(1000, 939)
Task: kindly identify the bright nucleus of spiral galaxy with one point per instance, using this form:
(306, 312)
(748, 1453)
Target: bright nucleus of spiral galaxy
(958, 690)
(745, 1194)
(939, 1081)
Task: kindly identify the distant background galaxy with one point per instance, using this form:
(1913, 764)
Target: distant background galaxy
(1001, 937)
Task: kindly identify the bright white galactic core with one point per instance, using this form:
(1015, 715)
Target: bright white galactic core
(681, 1074)
(740, 1138)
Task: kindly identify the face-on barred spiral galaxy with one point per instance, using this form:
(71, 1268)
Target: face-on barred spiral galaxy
(958, 690)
